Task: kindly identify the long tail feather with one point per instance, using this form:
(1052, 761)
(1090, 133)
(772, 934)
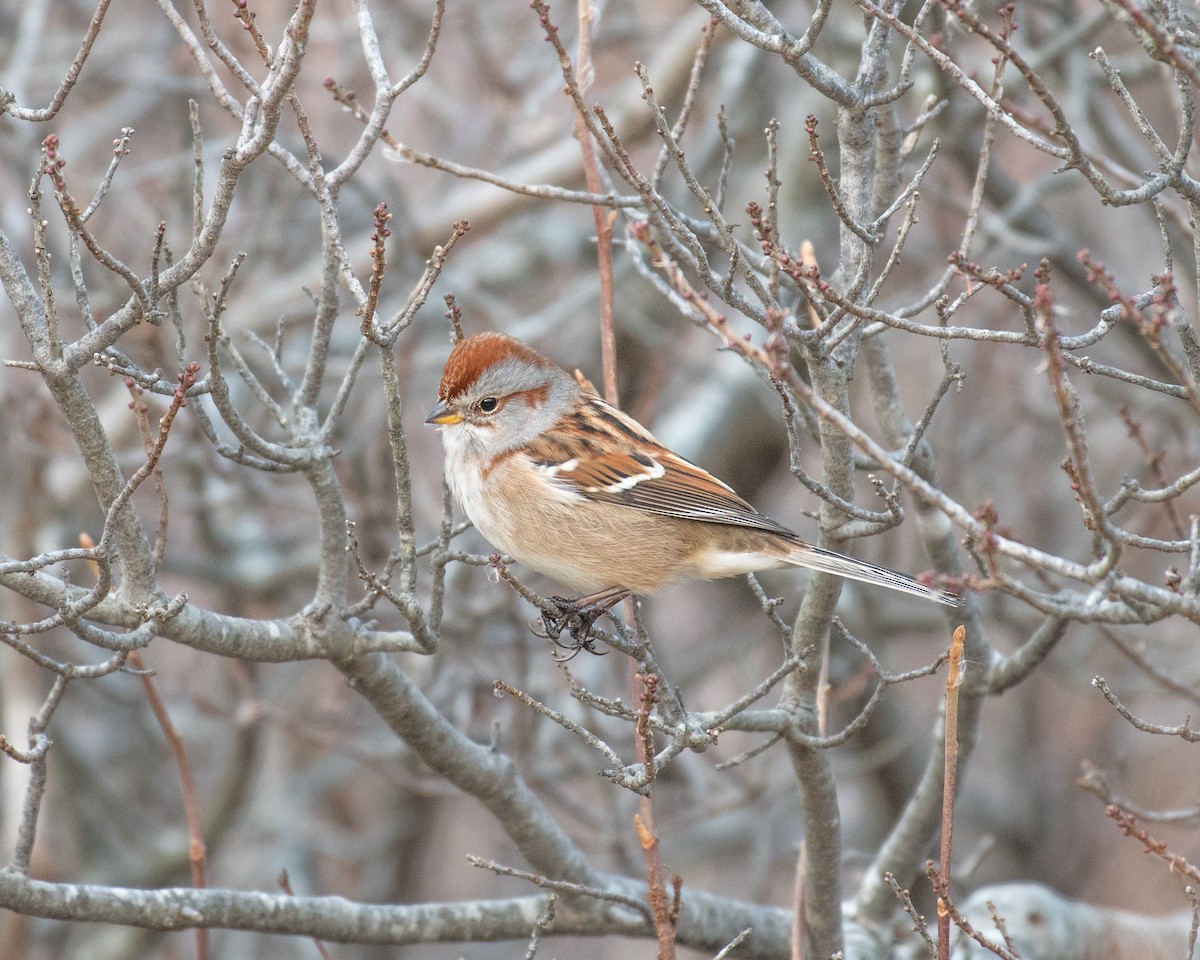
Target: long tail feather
(817, 558)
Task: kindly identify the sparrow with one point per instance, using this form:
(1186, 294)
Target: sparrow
(573, 488)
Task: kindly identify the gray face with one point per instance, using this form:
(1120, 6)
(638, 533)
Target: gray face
(509, 405)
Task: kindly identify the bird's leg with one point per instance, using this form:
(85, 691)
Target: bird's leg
(577, 616)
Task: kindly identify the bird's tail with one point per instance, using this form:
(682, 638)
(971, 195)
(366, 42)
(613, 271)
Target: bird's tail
(818, 558)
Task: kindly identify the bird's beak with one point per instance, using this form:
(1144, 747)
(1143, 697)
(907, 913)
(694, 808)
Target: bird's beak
(443, 415)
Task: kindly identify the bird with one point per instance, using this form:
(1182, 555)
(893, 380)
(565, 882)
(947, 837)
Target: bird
(569, 486)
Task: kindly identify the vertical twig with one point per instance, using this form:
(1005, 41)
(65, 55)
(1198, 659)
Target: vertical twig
(601, 215)
(643, 820)
(953, 681)
(197, 853)
(798, 925)
(664, 927)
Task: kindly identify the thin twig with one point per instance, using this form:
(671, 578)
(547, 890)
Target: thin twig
(197, 855)
(954, 680)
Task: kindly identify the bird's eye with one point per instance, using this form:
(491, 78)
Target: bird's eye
(488, 404)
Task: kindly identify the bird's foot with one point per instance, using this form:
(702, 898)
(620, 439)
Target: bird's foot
(577, 617)
(574, 617)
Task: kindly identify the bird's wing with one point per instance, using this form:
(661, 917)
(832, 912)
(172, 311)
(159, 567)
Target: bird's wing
(633, 469)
